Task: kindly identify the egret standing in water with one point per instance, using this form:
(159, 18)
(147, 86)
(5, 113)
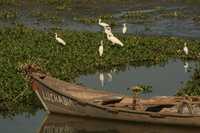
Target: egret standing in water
(124, 29)
(103, 24)
(58, 39)
(101, 48)
(114, 39)
(185, 49)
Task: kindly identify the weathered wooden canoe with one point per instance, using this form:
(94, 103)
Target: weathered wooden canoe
(65, 98)
(55, 123)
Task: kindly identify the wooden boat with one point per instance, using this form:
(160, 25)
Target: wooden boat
(65, 98)
(55, 123)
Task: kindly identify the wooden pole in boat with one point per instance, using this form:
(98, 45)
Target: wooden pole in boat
(136, 90)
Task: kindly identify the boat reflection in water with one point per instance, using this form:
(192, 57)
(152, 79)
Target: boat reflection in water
(68, 124)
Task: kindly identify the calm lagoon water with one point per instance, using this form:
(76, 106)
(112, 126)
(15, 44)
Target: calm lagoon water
(22, 123)
(164, 79)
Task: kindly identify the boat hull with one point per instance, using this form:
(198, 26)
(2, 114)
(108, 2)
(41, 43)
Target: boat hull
(56, 102)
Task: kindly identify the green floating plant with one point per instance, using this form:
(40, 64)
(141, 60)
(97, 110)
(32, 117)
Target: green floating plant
(8, 14)
(21, 45)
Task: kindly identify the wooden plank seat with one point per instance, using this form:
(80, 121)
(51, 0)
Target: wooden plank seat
(105, 100)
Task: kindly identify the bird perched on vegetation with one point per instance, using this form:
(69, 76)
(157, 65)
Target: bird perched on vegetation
(114, 39)
(185, 49)
(101, 48)
(124, 29)
(175, 14)
(103, 24)
(58, 39)
(107, 30)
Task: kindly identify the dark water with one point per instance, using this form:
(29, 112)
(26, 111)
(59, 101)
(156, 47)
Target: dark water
(164, 79)
(22, 123)
(160, 20)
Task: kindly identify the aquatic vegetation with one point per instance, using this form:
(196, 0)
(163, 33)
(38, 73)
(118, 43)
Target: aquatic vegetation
(154, 14)
(146, 88)
(41, 16)
(94, 20)
(58, 4)
(86, 20)
(173, 14)
(192, 87)
(7, 14)
(138, 16)
(9, 2)
(22, 45)
(196, 19)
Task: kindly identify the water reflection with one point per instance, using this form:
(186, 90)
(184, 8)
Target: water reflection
(109, 77)
(105, 77)
(101, 79)
(22, 123)
(164, 79)
(67, 124)
(186, 66)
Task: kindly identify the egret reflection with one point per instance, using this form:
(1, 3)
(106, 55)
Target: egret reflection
(186, 66)
(101, 79)
(109, 77)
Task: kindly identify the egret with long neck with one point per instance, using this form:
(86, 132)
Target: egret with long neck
(124, 28)
(185, 49)
(59, 40)
(101, 48)
(103, 24)
(107, 30)
(114, 39)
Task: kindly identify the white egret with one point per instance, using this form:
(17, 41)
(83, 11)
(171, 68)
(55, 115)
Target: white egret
(58, 39)
(175, 14)
(107, 30)
(101, 78)
(186, 65)
(185, 49)
(103, 24)
(124, 28)
(101, 48)
(114, 39)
